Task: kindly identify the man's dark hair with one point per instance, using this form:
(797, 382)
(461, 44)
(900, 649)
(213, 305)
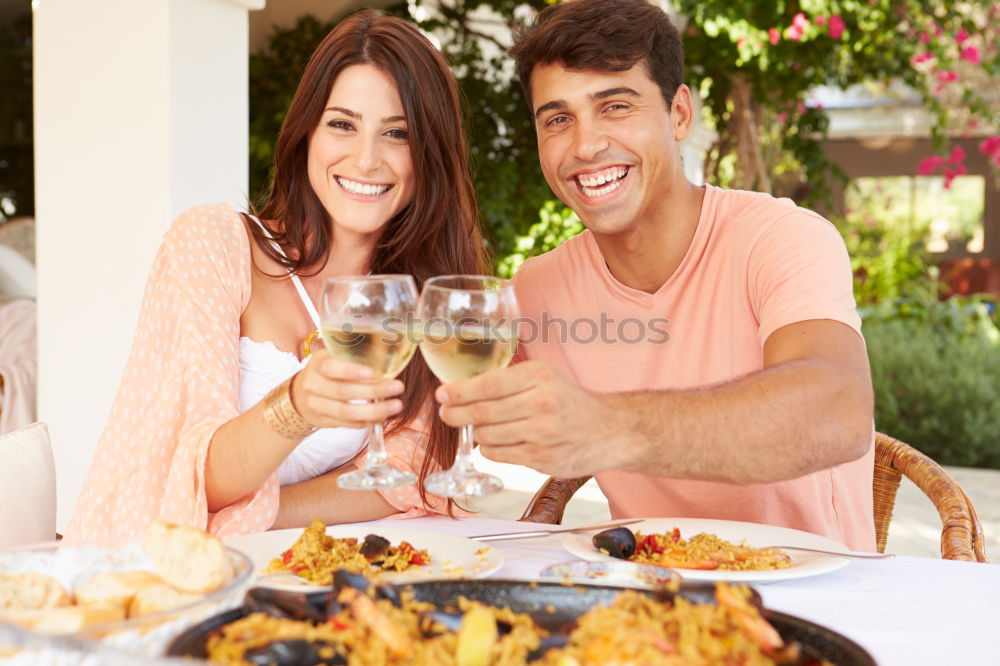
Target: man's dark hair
(601, 35)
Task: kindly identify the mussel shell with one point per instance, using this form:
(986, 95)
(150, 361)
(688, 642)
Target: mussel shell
(374, 546)
(617, 542)
(343, 578)
(293, 652)
(451, 621)
(281, 603)
(391, 593)
(546, 644)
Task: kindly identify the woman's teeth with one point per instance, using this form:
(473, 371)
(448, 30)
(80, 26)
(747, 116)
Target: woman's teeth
(361, 188)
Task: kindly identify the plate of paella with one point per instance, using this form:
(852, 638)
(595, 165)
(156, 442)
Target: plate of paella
(504, 622)
(297, 559)
(712, 550)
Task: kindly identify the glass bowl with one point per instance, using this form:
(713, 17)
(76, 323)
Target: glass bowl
(76, 562)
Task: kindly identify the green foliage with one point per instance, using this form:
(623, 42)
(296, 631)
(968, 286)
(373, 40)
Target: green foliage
(885, 265)
(505, 167)
(757, 59)
(887, 255)
(274, 76)
(17, 188)
(556, 225)
(936, 373)
(891, 222)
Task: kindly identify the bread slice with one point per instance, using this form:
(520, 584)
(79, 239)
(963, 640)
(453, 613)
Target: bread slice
(114, 589)
(30, 591)
(159, 597)
(188, 558)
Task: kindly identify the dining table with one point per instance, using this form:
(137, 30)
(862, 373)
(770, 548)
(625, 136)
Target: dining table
(903, 610)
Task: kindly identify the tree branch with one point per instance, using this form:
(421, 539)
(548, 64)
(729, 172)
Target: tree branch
(461, 19)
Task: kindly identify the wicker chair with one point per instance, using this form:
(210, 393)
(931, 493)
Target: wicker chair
(961, 533)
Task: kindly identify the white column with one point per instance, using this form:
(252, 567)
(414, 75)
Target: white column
(695, 147)
(140, 112)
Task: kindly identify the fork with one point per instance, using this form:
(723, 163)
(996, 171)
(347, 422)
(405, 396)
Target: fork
(860, 556)
(559, 530)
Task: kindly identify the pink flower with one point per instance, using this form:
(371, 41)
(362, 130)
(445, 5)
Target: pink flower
(961, 36)
(782, 117)
(773, 36)
(947, 76)
(820, 20)
(990, 146)
(957, 155)
(929, 165)
(970, 53)
(922, 57)
(741, 42)
(924, 38)
(949, 176)
(836, 26)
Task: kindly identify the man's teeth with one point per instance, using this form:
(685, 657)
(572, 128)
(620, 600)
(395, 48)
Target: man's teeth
(361, 188)
(593, 184)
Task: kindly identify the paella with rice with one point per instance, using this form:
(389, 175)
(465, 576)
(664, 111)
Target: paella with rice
(387, 625)
(315, 555)
(701, 551)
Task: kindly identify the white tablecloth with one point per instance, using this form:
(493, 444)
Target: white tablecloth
(905, 611)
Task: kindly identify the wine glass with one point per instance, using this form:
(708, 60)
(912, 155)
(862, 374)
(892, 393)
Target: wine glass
(364, 321)
(468, 329)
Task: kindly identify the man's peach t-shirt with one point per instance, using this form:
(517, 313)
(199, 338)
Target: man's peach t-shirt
(755, 264)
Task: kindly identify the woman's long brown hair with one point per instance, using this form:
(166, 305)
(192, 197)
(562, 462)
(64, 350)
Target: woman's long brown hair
(436, 234)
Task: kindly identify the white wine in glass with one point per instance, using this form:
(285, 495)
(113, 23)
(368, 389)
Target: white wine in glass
(468, 329)
(364, 321)
(383, 350)
(462, 352)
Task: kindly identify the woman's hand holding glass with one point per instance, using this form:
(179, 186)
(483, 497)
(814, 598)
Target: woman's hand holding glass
(363, 320)
(331, 393)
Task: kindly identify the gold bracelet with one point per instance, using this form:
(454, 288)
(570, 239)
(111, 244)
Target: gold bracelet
(281, 416)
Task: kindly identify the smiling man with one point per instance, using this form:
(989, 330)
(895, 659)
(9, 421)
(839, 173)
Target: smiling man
(697, 349)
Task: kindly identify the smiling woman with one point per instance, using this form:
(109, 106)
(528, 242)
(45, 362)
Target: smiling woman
(360, 153)
(219, 422)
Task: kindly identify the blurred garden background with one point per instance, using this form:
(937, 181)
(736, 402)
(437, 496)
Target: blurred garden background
(882, 115)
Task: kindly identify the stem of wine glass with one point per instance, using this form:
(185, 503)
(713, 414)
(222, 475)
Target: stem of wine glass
(376, 446)
(463, 459)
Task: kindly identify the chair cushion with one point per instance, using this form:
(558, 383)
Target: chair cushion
(27, 487)
(17, 274)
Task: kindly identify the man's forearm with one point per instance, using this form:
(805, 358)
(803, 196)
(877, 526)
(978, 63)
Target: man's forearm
(779, 423)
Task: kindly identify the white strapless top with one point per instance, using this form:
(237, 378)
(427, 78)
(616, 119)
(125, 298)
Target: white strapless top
(262, 367)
